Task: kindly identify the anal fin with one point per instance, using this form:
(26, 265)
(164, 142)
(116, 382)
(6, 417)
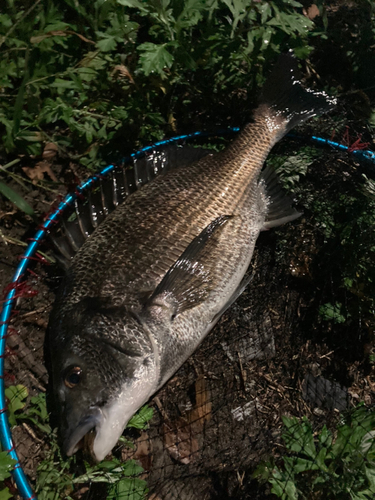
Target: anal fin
(279, 206)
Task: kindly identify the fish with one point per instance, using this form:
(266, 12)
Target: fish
(156, 275)
(110, 191)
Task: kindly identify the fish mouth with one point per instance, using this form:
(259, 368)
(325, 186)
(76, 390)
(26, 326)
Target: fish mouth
(83, 435)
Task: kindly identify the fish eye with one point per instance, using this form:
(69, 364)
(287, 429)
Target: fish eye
(73, 377)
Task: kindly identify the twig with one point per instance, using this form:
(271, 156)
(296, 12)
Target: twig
(21, 180)
(11, 163)
(31, 432)
(3, 237)
(243, 373)
(15, 177)
(20, 243)
(161, 409)
(30, 313)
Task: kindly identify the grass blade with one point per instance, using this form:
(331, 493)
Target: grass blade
(16, 199)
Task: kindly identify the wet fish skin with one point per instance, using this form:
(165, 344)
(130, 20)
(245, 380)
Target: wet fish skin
(149, 284)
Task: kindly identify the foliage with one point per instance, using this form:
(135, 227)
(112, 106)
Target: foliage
(6, 465)
(348, 43)
(5, 494)
(57, 481)
(16, 400)
(15, 198)
(87, 74)
(15, 397)
(291, 167)
(339, 202)
(37, 413)
(56, 478)
(55, 474)
(325, 465)
(347, 222)
(332, 312)
(140, 419)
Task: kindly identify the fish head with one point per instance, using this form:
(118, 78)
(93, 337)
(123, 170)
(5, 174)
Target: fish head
(104, 369)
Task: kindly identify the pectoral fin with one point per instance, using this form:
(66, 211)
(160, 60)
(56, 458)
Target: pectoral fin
(189, 281)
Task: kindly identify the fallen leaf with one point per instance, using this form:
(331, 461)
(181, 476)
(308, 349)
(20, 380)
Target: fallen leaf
(142, 452)
(180, 441)
(50, 151)
(124, 72)
(203, 404)
(37, 173)
(311, 12)
(37, 320)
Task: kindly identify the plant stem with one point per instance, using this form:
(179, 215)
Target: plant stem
(2, 40)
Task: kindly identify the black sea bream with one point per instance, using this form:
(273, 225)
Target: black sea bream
(153, 279)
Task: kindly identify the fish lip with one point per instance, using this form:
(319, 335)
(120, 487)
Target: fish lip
(85, 425)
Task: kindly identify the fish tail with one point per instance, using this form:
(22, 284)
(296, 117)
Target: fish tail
(286, 102)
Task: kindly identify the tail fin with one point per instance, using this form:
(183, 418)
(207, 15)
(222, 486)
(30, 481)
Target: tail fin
(284, 95)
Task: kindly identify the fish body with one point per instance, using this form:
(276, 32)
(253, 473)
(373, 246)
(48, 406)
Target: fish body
(156, 275)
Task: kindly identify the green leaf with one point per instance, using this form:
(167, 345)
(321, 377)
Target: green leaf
(109, 465)
(131, 489)
(332, 312)
(298, 436)
(16, 395)
(191, 14)
(325, 437)
(297, 464)
(131, 468)
(320, 460)
(284, 489)
(107, 44)
(155, 58)
(303, 52)
(40, 404)
(18, 105)
(65, 84)
(5, 494)
(263, 471)
(266, 11)
(135, 4)
(6, 465)
(370, 474)
(140, 419)
(37, 413)
(16, 199)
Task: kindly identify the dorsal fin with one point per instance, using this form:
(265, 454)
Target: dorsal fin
(108, 193)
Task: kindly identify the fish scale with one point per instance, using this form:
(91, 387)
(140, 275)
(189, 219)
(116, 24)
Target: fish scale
(155, 276)
(179, 211)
